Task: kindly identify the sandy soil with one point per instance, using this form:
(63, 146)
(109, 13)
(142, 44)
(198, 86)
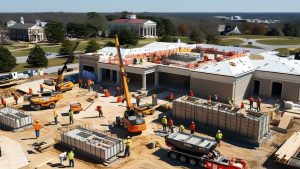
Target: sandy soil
(141, 157)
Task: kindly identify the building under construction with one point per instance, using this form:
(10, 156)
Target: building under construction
(206, 69)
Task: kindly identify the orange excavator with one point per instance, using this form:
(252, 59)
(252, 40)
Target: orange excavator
(132, 120)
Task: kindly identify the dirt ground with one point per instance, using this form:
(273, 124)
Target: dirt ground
(141, 156)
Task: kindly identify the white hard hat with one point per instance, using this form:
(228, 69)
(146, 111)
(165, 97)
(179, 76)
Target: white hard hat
(165, 116)
(128, 136)
(219, 131)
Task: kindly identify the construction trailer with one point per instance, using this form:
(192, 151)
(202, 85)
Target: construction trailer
(289, 153)
(236, 123)
(14, 119)
(95, 144)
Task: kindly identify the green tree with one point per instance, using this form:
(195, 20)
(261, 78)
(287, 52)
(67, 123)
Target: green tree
(197, 35)
(274, 32)
(92, 46)
(37, 57)
(55, 31)
(7, 61)
(291, 30)
(66, 47)
(212, 39)
(126, 37)
(96, 20)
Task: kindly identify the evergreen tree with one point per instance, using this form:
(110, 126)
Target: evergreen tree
(92, 46)
(37, 57)
(66, 47)
(55, 31)
(7, 61)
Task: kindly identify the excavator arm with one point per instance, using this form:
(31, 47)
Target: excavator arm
(70, 59)
(123, 76)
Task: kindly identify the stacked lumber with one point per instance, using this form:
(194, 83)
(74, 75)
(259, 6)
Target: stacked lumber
(288, 149)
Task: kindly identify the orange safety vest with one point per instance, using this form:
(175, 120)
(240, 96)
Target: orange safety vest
(37, 126)
(30, 91)
(89, 82)
(193, 126)
(16, 97)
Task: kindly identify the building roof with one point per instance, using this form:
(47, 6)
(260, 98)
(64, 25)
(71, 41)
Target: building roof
(221, 28)
(22, 26)
(233, 67)
(131, 21)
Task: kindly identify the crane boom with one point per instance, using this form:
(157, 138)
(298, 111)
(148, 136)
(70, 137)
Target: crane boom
(123, 76)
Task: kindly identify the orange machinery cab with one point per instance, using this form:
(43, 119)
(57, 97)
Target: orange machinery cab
(134, 122)
(76, 107)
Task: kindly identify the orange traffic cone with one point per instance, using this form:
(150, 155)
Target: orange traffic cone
(106, 93)
(119, 99)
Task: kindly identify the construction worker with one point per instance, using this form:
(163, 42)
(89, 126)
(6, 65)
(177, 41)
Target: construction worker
(100, 89)
(191, 93)
(37, 128)
(251, 100)
(3, 102)
(71, 119)
(209, 100)
(164, 122)
(171, 96)
(170, 125)
(230, 101)
(79, 82)
(127, 142)
(30, 91)
(118, 91)
(55, 115)
(258, 102)
(181, 128)
(89, 82)
(71, 158)
(219, 137)
(99, 109)
(16, 98)
(41, 88)
(137, 100)
(141, 61)
(242, 105)
(192, 127)
(216, 98)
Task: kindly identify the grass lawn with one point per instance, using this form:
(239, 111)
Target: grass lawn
(25, 52)
(251, 46)
(285, 51)
(51, 62)
(282, 41)
(230, 42)
(252, 36)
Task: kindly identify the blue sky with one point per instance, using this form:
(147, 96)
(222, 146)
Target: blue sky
(150, 5)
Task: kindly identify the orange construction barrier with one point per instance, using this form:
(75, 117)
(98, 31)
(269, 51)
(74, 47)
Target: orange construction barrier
(119, 99)
(106, 93)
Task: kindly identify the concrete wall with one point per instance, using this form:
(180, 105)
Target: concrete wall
(203, 88)
(291, 91)
(242, 88)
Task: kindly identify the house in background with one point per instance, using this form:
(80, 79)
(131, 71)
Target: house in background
(228, 30)
(143, 27)
(30, 32)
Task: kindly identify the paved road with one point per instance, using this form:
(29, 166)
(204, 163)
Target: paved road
(263, 46)
(22, 59)
(52, 69)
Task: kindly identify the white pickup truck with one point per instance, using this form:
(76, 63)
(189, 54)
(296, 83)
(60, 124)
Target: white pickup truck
(17, 76)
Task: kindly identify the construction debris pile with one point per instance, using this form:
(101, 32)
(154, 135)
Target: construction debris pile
(95, 144)
(252, 126)
(289, 152)
(14, 118)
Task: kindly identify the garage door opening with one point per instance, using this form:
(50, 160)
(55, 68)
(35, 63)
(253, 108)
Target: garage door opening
(256, 88)
(276, 89)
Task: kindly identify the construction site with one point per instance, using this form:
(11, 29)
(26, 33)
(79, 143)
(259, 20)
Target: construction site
(119, 100)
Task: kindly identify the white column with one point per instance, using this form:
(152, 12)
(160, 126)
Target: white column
(118, 77)
(156, 79)
(154, 30)
(146, 31)
(100, 78)
(143, 31)
(144, 84)
(111, 75)
(139, 31)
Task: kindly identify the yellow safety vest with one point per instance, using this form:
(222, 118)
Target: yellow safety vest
(55, 113)
(128, 142)
(164, 121)
(71, 113)
(181, 128)
(219, 136)
(71, 155)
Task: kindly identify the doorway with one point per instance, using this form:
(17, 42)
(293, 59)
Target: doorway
(256, 88)
(276, 90)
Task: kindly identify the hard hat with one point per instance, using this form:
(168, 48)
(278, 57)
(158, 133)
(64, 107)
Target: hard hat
(128, 137)
(37, 121)
(165, 116)
(192, 122)
(219, 131)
